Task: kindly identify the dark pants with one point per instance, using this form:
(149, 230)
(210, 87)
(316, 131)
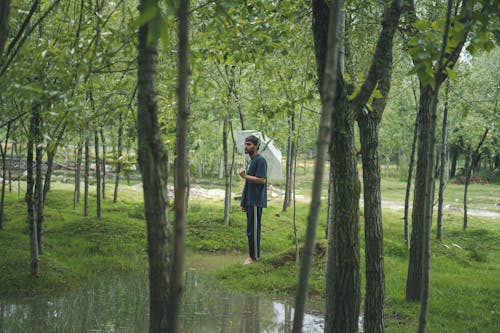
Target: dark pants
(254, 215)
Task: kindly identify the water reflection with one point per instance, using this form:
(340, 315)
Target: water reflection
(121, 305)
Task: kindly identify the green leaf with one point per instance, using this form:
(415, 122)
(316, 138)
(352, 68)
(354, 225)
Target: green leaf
(422, 25)
(147, 16)
(377, 94)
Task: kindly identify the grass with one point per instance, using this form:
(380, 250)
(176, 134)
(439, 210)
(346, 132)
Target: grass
(465, 283)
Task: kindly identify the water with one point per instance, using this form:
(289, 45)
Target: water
(121, 305)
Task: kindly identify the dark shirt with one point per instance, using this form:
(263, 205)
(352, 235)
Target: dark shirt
(255, 194)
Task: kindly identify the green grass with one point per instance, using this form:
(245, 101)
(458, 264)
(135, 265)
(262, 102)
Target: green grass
(465, 283)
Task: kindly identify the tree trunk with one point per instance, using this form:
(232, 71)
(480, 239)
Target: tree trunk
(118, 157)
(422, 201)
(78, 172)
(86, 174)
(152, 158)
(442, 166)
(4, 24)
(97, 174)
(225, 168)
(51, 153)
(3, 151)
(374, 247)
(103, 164)
(326, 31)
(468, 170)
(29, 196)
(290, 162)
(343, 292)
(471, 160)
(177, 281)
(410, 174)
(13, 152)
(39, 190)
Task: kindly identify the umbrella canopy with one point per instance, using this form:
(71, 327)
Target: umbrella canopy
(267, 149)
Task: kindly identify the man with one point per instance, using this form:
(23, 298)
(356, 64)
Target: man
(254, 196)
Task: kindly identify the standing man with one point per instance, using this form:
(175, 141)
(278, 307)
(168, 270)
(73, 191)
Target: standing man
(254, 196)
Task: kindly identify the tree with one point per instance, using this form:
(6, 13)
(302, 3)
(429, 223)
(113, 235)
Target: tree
(330, 26)
(435, 47)
(152, 158)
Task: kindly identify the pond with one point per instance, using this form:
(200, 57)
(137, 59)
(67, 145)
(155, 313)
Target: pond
(121, 304)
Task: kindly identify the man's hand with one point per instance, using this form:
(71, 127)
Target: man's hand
(242, 173)
(244, 209)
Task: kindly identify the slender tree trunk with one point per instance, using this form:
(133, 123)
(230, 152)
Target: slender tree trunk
(3, 151)
(410, 174)
(103, 140)
(177, 272)
(152, 158)
(4, 24)
(78, 172)
(326, 28)
(29, 196)
(290, 162)
(468, 170)
(118, 157)
(472, 159)
(13, 152)
(51, 153)
(86, 174)
(225, 169)
(39, 190)
(442, 167)
(97, 174)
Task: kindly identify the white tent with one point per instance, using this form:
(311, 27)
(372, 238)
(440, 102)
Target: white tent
(267, 149)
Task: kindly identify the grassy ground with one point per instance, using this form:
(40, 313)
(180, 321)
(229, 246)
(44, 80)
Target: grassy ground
(465, 277)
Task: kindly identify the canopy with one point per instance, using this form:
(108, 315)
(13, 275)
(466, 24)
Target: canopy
(266, 149)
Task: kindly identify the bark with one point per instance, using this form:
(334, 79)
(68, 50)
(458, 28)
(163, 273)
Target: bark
(442, 166)
(225, 170)
(29, 196)
(290, 162)
(103, 164)
(51, 153)
(466, 184)
(422, 201)
(97, 174)
(86, 173)
(152, 158)
(4, 24)
(410, 174)
(180, 207)
(327, 44)
(39, 189)
(78, 172)
(12, 152)
(471, 160)
(374, 250)
(343, 262)
(119, 151)
(3, 151)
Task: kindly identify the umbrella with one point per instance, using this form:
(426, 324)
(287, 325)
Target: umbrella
(267, 149)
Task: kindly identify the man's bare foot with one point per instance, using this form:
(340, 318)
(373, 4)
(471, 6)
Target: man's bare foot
(248, 261)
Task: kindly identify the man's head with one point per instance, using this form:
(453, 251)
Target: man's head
(251, 145)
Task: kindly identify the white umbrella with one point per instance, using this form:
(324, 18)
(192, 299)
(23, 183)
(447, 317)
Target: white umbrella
(266, 148)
